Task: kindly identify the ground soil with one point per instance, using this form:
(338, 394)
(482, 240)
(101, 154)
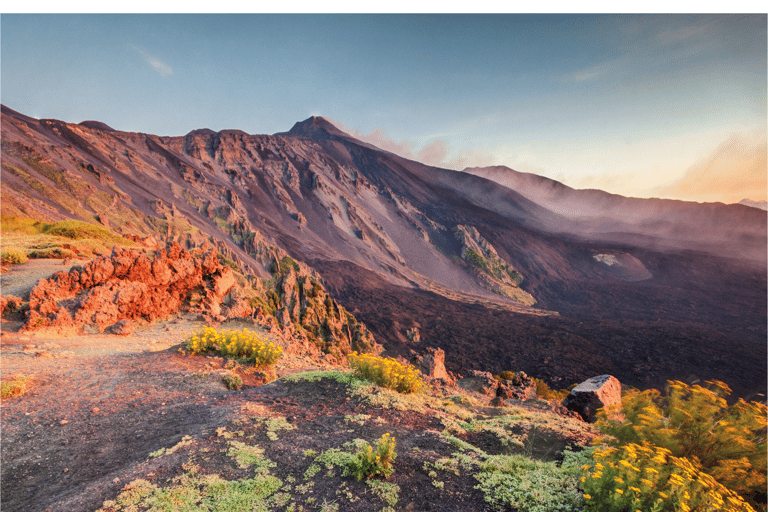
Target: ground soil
(98, 405)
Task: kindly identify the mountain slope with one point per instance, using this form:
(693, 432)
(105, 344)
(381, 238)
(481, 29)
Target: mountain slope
(403, 244)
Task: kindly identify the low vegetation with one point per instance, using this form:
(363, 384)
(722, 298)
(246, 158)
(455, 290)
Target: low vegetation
(371, 461)
(386, 372)
(27, 238)
(243, 344)
(14, 386)
(687, 450)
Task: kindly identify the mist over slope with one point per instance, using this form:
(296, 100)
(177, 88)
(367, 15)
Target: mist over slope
(502, 270)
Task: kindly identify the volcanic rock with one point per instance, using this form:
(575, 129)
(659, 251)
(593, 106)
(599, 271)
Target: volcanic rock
(521, 387)
(593, 394)
(128, 285)
(479, 382)
(431, 363)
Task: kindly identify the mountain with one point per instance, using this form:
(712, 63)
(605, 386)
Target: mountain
(763, 205)
(504, 271)
(716, 228)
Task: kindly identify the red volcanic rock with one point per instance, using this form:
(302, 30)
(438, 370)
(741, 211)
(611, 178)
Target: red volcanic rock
(431, 363)
(128, 285)
(9, 303)
(593, 394)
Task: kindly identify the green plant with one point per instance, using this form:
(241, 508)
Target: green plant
(233, 382)
(529, 485)
(242, 344)
(15, 386)
(543, 391)
(12, 256)
(368, 461)
(695, 423)
(386, 372)
(650, 479)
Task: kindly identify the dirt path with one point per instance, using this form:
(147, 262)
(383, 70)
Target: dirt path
(18, 280)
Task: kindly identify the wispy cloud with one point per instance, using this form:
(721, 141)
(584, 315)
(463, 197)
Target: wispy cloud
(161, 67)
(436, 153)
(594, 72)
(734, 171)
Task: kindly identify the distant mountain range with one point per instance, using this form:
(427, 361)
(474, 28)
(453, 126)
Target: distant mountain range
(504, 270)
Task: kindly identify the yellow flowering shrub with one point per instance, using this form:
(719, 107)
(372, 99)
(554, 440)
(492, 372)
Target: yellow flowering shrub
(696, 423)
(368, 461)
(650, 479)
(244, 344)
(386, 372)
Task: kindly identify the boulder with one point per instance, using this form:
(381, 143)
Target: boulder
(521, 387)
(593, 394)
(479, 382)
(431, 363)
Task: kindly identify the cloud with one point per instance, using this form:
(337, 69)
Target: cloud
(471, 158)
(734, 171)
(163, 69)
(593, 72)
(433, 153)
(436, 153)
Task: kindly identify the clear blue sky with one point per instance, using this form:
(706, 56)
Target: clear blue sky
(634, 104)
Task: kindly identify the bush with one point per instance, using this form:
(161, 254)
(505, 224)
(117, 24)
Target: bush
(530, 485)
(233, 382)
(544, 391)
(77, 230)
(15, 386)
(386, 372)
(649, 478)
(695, 423)
(244, 344)
(369, 461)
(12, 256)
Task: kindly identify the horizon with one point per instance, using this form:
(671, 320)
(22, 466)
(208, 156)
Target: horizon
(668, 106)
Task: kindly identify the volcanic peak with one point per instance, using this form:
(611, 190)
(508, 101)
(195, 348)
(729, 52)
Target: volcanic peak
(316, 127)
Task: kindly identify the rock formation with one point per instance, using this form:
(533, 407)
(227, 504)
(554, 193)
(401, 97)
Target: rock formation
(129, 285)
(593, 394)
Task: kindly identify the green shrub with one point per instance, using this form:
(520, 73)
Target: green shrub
(233, 382)
(77, 230)
(15, 386)
(12, 256)
(505, 375)
(529, 485)
(695, 423)
(244, 344)
(368, 461)
(544, 391)
(386, 372)
(650, 479)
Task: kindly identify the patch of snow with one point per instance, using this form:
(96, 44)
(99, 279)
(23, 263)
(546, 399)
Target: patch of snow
(608, 259)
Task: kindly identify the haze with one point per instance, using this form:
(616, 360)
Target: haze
(639, 105)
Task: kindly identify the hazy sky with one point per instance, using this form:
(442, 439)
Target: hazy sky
(640, 105)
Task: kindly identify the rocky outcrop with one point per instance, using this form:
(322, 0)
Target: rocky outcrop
(431, 363)
(520, 387)
(130, 285)
(479, 382)
(491, 270)
(593, 394)
(296, 301)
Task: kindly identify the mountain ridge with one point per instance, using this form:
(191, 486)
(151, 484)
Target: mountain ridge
(325, 197)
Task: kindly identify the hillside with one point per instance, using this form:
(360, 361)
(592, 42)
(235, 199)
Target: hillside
(499, 276)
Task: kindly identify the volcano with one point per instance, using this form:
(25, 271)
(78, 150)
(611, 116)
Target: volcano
(503, 270)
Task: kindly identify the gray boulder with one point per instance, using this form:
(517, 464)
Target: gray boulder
(593, 394)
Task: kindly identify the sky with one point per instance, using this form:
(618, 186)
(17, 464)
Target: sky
(640, 105)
